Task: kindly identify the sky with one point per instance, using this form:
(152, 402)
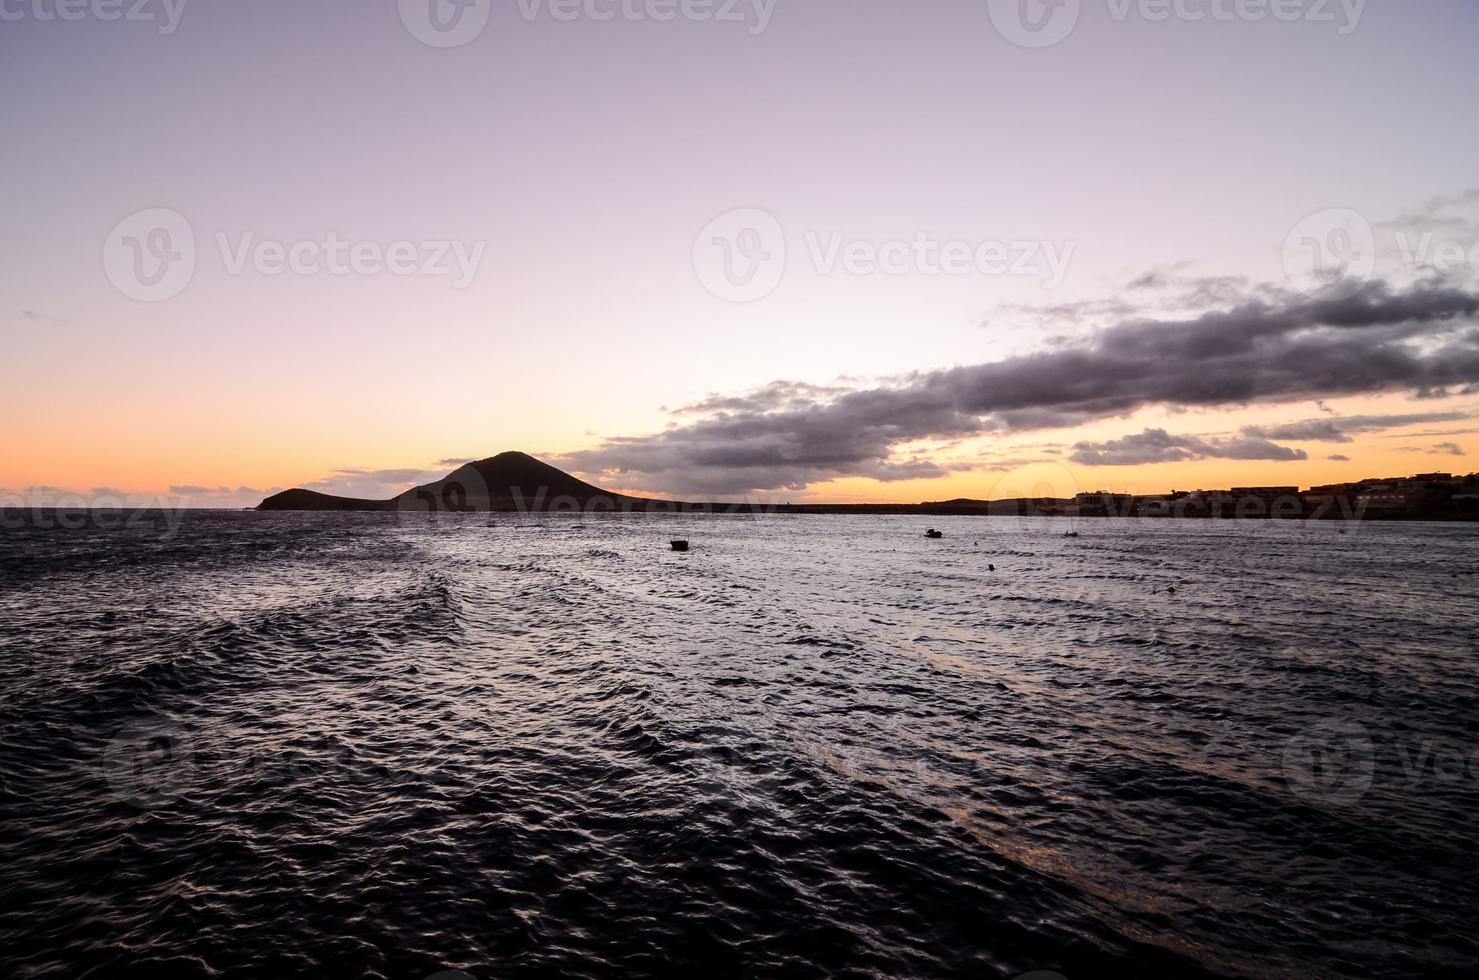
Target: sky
(849, 250)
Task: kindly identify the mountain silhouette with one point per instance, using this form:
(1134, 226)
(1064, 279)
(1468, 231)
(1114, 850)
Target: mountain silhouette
(506, 482)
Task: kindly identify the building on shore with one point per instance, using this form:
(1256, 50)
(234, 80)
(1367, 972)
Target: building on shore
(1426, 496)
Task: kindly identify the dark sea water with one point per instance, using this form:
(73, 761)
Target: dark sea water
(388, 746)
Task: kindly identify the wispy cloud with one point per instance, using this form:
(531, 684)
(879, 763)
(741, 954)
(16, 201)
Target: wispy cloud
(1342, 428)
(375, 484)
(1159, 446)
(1432, 434)
(198, 496)
(1441, 449)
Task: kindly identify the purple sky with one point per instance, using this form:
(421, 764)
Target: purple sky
(580, 158)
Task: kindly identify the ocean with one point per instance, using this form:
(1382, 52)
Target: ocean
(382, 745)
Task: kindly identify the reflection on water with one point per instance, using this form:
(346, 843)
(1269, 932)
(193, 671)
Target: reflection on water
(395, 745)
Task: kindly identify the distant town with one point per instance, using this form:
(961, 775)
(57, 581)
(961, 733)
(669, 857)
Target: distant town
(1424, 497)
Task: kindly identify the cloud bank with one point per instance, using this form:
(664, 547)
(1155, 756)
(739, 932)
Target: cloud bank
(1273, 347)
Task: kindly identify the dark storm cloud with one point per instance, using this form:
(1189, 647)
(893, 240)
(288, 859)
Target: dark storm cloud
(1341, 429)
(1159, 446)
(1261, 350)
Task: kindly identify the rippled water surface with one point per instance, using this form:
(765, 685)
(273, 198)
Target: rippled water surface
(370, 745)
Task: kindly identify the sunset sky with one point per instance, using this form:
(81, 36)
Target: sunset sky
(537, 214)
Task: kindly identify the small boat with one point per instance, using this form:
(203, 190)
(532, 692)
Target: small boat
(680, 545)
(932, 533)
(1071, 534)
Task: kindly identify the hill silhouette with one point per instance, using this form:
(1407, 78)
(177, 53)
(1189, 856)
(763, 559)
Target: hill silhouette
(506, 482)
